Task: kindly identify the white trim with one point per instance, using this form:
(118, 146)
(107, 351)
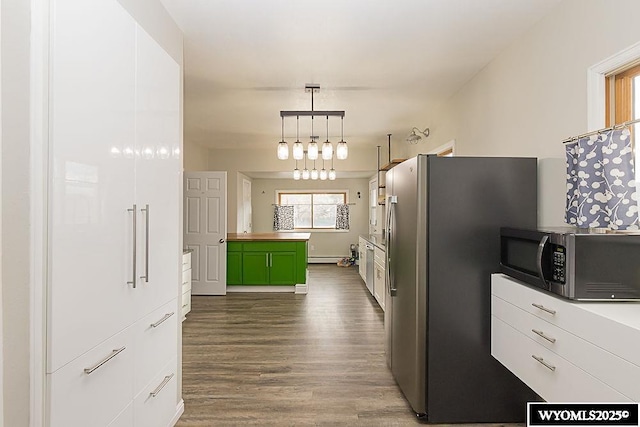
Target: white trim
(325, 259)
(451, 145)
(39, 140)
(178, 414)
(1, 310)
(258, 288)
(596, 84)
(301, 289)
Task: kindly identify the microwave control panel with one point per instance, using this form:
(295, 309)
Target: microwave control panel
(559, 263)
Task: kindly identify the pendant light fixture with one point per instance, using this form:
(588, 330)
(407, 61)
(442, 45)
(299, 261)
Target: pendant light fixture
(305, 171)
(342, 151)
(296, 172)
(283, 147)
(298, 149)
(314, 171)
(323, 172)
(327, 148)
(332, 172)
(312, 151)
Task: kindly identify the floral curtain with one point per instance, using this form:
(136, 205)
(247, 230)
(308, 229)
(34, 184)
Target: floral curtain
(601, 186)
(283, 218)
(342, 217)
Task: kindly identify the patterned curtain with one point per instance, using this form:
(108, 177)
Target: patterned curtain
(342, 217)
(283, 218)
(601, 187)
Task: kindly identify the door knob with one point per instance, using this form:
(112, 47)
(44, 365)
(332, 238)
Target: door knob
(221, 240)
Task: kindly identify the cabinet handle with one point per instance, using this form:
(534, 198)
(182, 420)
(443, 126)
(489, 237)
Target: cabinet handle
(542, 334)
(543, 308)
(545, 364)
(159, 322)
(113, 354)
(146, 244)
(164, 382)
(135, 233)
(185, 304)
(266, 260)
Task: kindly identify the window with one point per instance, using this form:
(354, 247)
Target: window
(313, 210)
(622, 92)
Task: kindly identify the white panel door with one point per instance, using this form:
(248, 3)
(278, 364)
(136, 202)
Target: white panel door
(91, 176)
(205, 230)
(158, 169)
(246, 206)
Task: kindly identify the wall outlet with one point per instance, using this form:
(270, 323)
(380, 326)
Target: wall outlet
(312, 248)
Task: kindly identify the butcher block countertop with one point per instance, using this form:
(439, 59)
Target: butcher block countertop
(273, 237)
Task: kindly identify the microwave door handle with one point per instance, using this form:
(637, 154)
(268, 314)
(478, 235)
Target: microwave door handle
(541, 246)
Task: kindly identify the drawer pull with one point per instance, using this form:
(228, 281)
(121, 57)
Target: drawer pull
(541, 334)
(113, 354)
(543, 308)
(159, 322)
(545, 364)
(185, 304)
(164, 382)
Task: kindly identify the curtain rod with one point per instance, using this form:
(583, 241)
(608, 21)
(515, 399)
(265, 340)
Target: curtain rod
(350, 204)
(618, 126)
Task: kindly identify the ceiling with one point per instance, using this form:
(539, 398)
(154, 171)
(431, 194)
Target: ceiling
(388, 64)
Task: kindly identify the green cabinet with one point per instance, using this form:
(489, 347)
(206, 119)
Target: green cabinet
(267, 263)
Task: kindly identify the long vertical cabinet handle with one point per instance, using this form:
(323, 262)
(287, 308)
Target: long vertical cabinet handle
(135, 244)
(266, 260)
(146, 244)
(392, 201)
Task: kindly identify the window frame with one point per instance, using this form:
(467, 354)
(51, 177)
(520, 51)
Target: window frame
(278, 198)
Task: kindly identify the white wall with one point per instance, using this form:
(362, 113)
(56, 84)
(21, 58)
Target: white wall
(265, 160)
(15, 27)
(196, 157)
(240, 200)
(321, 244)
(534, 94)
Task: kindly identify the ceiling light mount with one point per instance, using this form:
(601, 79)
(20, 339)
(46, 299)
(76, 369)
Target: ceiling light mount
(414, 138)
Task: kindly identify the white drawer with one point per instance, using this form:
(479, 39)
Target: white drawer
(566, 383)
(614, 327)
(79, 399)
(155, 345)
(608, 368)
(379, 256)
(124, 419)
(186, 278)
(186, 287)
(156, 404)
(186, 261)
(186, 303)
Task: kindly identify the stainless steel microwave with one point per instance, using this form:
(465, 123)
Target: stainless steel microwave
(575, 263)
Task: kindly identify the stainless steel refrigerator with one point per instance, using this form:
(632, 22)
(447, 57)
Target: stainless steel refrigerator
(443, 221)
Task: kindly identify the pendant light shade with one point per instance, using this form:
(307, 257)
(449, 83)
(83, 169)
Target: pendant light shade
(314, 171)
(305, 173)
(323, 174)
(327, 148)
(297, 174)
(332, 174)
(342, 152)
(283, 150)
(283, 147)
(298, 150)
(312, 150)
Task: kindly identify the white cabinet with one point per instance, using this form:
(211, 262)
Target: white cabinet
(379, 279)
(362, 252)
(186, 284)
(566, 351)
(113, 217)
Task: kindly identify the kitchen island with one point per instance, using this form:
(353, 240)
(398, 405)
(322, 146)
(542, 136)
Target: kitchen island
(267, 262)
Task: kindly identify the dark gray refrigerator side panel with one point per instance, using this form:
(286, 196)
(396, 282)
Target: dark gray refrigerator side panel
(469, 200)
(407, 364)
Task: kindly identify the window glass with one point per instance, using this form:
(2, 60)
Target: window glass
(313, 210)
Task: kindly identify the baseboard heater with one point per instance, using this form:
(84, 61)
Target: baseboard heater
(324, 259)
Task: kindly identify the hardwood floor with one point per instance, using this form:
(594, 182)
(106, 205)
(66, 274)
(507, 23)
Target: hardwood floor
(285, 359)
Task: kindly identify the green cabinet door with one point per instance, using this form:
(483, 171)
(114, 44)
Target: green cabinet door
(283, 268)
(234, 268)
(255, 268)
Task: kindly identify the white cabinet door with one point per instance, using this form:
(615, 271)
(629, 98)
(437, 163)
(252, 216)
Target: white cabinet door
(158, 180)
(379, 281)
(92, 171)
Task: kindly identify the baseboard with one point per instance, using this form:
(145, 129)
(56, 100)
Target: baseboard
(243, 288)
(179, 412)
(324, 260)
(301, 289)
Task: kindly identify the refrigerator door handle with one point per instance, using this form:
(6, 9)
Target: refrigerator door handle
(389, 284)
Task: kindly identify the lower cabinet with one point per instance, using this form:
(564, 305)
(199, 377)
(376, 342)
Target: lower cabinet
(186, 284)
(379, 280)
(266, 263)
(362, 255)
